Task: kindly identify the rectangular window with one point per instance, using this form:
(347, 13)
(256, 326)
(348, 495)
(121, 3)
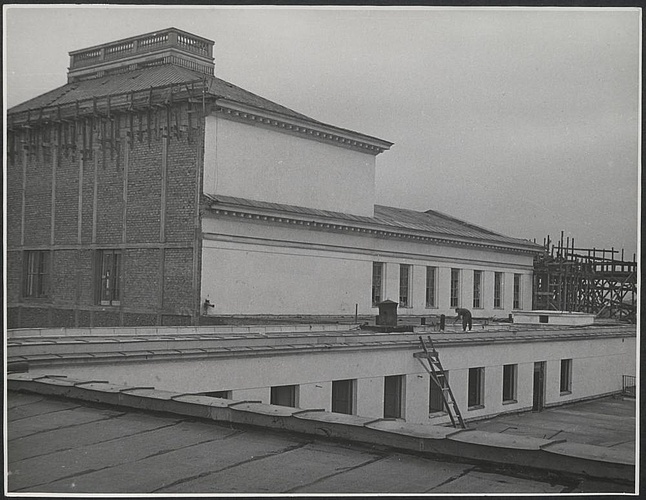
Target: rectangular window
(566, 376)
(455, 288)
(431, 274)
(497, 290)
(393, 396)
(436, 401)
(343, 396)
(109, 278)
(36, 274)
(517, 282)
(404, 285)
(509, 374)
(477, 289)
(476, 387)
(284, 395)
(377, 282)
(217, 394)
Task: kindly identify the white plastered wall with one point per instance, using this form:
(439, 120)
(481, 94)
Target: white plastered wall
(598, 366)
(261, 163)
(251, 267)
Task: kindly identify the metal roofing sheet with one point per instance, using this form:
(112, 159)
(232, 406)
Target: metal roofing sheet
(144, 79)
(159, 76)
(391, 218)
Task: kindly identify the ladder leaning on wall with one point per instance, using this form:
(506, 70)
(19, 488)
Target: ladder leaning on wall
(436, 371)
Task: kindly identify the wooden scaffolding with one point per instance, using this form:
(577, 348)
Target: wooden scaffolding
(589, 280)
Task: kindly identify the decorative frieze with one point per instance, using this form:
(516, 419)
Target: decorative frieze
(364, 231)
(320, 132)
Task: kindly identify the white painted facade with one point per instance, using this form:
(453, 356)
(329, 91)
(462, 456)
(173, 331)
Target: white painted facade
(251, 377)
(263, 163)
(251, 266)
(257, 268)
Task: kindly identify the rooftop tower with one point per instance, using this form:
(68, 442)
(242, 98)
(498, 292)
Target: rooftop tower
(169, 46)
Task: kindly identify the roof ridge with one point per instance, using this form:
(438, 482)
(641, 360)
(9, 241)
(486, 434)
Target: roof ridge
(376, 218)
(450, 217)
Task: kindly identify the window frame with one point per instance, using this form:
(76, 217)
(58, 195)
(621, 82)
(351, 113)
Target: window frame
(117, 264)
(406, 287)
(349, 403)
(510, 384)
(517, 297)
(216, 394)
(475, 387)
(477, 289)
(278, 392)
(397, 384)
(436, 396)
(455, 287)
(37, 265)
(431, 287)
(377, 283)
(565, 378)
(498, 288)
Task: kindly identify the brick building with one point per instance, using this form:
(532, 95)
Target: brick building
(146, 191)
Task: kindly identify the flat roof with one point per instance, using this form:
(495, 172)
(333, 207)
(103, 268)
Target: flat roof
(58, 445)
(60, 346)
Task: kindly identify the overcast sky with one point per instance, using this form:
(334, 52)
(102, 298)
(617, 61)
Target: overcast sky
(523, 121)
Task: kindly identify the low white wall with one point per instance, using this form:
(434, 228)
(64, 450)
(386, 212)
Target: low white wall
(554, 317)
(597, 368)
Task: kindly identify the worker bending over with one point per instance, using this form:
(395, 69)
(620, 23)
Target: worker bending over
(467, 319)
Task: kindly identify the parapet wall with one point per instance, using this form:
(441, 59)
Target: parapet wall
(469, 445)
(172, 330)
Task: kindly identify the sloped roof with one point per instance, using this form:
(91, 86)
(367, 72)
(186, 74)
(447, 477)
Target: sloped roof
(434, 221)
(430, 223)
(144, 79)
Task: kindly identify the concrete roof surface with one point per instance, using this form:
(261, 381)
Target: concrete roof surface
(66, 446)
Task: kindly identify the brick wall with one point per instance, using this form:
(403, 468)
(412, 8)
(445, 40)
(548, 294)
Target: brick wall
(177, 289)
(63, 318)
(157, 175)
(66, 197)
(110, 201)
(14, 276)
(180, 214)
(64, 277)
(141, 278)
(13, 176)
(38, 195)
(34, 317)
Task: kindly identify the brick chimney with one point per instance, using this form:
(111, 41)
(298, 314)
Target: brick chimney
(169, 46)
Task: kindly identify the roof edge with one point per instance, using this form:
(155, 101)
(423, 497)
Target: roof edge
(305, 126)
(327, 220)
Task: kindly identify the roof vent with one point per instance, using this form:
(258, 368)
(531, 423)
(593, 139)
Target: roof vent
(169, 46)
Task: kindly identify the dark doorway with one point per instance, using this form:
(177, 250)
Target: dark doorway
(343, 396)
(539, 386)
(393, 396)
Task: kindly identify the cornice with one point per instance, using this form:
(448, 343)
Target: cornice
(316, 131)
(404, 256)
(359, 229)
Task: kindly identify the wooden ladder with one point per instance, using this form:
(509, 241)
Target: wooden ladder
(436, 371)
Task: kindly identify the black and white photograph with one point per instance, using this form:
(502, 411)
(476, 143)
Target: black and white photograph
(321, 250)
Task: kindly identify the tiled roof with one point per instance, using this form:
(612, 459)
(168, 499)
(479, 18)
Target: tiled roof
(144, 79)
(430, 223)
